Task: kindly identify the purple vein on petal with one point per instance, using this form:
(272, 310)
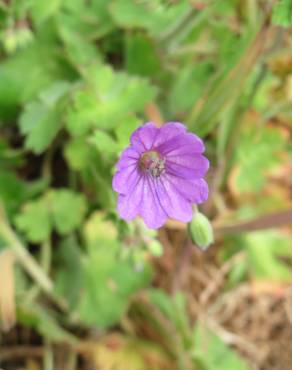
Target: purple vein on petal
(197, 184)
(185, 172)
(157, 195)
(165, 193)
(180, 213)
(123, 182)
(160, 215)
(129, 197)
(202, 166)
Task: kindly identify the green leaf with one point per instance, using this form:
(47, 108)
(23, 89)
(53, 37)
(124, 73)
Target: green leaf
(264, 251)
(84, 22)
(46, 125)
(104, 143)
(42, 10)
(99, 230)
(12, 191)
(69, 275)
(152, 16)
(107, 98)
(35, 221)
(131, 14)
(40, 318)
(255, 145)
(77, 32)
(191, 80)
(61, 209)
(163, 302)
(24, 75)
(226, 88)
(78, 153)
(282, 13)
(109, 280)
(238, 274)
(68, 210)
(141, 56)
(42, 119)
(119, 94)
(212, 353)
(109, 284)
(81, 115)
(80, 51)
(125, 128)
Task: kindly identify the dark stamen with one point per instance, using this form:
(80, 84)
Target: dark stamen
(153, 163)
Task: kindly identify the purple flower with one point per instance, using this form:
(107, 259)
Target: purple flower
(161, 174)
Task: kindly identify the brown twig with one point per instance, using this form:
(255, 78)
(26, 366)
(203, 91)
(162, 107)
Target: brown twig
(272, 220)
(20, 351)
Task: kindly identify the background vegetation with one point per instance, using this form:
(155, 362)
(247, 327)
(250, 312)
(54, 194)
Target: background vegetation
(81, 289)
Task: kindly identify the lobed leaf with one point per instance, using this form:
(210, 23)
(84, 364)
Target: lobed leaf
(42, 119)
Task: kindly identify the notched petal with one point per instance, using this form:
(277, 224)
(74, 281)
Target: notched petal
(182, 144)
(143, 138)
(168, 131)
(196, 191)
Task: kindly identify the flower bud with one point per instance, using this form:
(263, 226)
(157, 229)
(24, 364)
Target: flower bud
(155, 248)
(200, 230)
(24, 37)
(10, 42)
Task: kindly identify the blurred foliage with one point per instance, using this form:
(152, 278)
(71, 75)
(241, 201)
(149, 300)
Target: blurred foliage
(212, 353)
(283, 13)
(76, 78)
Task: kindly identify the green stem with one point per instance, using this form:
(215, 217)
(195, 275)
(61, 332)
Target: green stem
(45, 260)
(180, 25)
(28, 262)
(46, 256)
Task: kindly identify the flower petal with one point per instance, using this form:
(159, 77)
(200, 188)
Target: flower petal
(173, 202)
(168, 131)
(187, 166)
(143, 138)
(150, 208)
(128, 157)
(195, 191)
(182, 144)
(126, 179)
(128, 205)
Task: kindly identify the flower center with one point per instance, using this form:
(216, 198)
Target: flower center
(152, 162)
